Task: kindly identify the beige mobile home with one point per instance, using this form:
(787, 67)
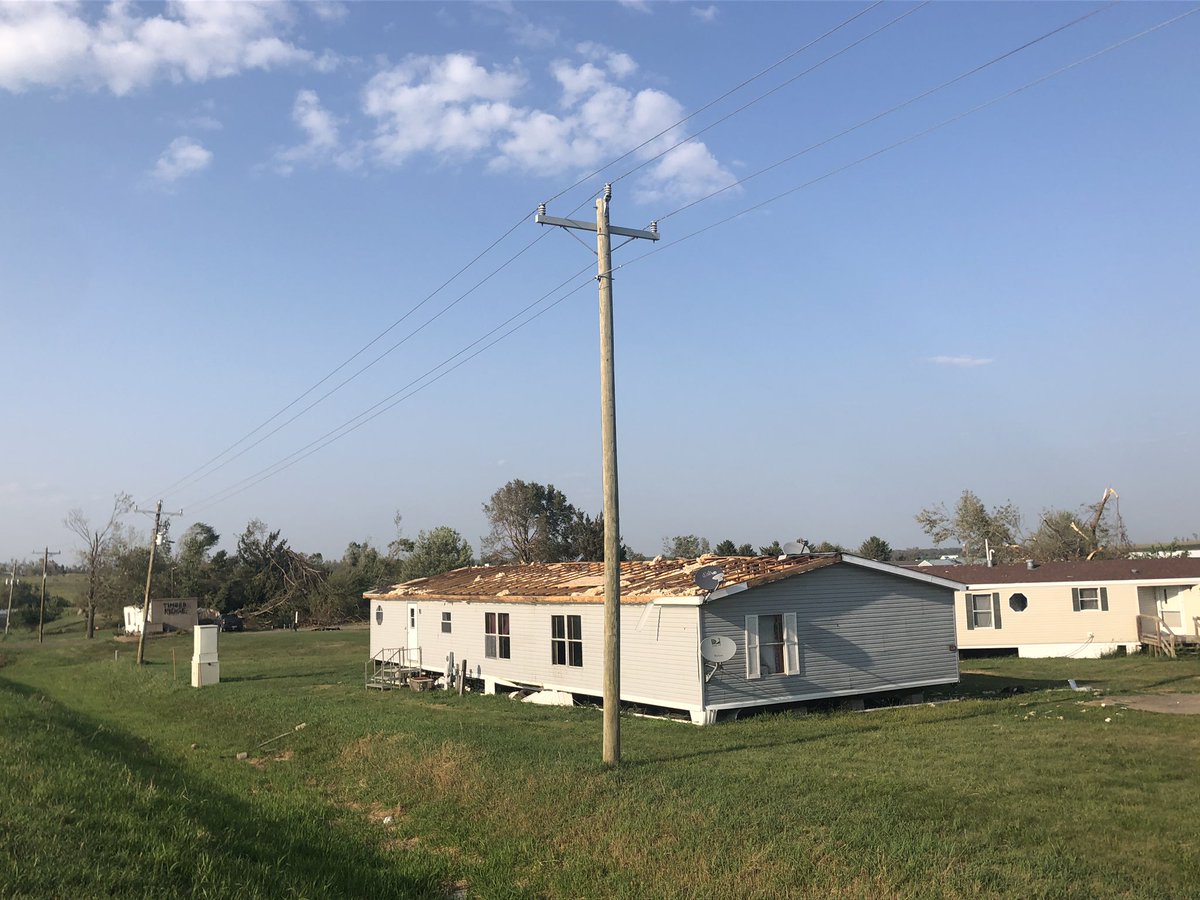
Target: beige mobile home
(1078, 608)
(788, 629)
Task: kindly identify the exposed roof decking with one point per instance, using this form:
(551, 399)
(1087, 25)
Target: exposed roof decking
(583, 582)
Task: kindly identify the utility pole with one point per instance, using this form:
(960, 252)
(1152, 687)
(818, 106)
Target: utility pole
(46, 554)
(157, 536)
(608, 447)
(12, 586)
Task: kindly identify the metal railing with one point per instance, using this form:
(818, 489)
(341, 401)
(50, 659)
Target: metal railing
(392, 666)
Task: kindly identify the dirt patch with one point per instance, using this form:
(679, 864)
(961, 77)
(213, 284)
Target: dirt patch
(1177, 704)
(261, 762)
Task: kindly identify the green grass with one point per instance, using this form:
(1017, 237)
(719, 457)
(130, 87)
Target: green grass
(103, 794)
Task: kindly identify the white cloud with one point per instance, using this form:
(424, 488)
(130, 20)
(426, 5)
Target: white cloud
(965, 362)
(182, 157)
(322, 142)
(619, 64)
(706, 14)
(449, 104)
(52, 45)
(329, 10)
(641, 6)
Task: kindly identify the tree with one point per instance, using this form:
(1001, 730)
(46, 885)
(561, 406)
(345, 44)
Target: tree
(198, 571)
(975, 528)
(772, 549)
(95, 555)
(725, 548)
(530, 523)
(271, 580)
(685, 546)
(1097, 530)
(875, 548)
(400, 546)
(828, 547)
(439, 550)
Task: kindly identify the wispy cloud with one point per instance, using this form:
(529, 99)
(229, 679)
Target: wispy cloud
(705, 14)
(963, 362)
(641, 6)
(322, 144)
(182, 157)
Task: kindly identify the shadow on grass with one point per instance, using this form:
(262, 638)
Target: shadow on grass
(305, 676)
(977, 686)
(259, 851)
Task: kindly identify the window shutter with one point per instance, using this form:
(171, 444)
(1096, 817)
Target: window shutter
(791, 645)
(1075, 599)
(1104, 599)
(970, 617)
(995, 610)
(752, 661)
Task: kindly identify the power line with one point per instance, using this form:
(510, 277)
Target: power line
(773, 90)
(711, 103)
(396, 398)
(400, 396)
(912, 137)
(888, 112)
(393, 399)
(200, 471)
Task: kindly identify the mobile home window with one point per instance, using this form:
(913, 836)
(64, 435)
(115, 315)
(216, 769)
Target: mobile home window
(772, 645)
(445, 623)
(566, 640)
(1089, 598)
(496, 641)
(981, 610)
(379, 615)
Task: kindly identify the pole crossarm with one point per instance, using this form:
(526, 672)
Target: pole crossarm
(543, 219)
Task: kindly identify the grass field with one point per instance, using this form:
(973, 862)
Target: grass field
(116, 781)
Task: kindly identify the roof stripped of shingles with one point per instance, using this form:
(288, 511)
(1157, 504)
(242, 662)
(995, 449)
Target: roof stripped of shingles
(583, 582)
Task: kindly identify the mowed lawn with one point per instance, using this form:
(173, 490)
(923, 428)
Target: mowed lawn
(122, 782)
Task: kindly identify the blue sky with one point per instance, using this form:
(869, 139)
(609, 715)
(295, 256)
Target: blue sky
(209, 207)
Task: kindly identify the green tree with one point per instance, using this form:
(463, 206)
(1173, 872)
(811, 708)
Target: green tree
(1095, 531)
(725, 548)
(685, 546)
(828, 547)
(975, 527)
(441, 549)
(875, 548)
(772, 549)
(529, 522)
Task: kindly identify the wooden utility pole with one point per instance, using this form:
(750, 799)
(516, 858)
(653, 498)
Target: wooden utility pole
(12, 586)
(141, 654)
(608, 449)
(46, 554)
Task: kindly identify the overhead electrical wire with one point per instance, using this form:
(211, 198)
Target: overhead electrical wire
(203, 471)
(399, 396)
(778, 87)
(888, 112)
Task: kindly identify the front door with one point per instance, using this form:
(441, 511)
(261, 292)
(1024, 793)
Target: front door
(1170, 610)
(414, 640)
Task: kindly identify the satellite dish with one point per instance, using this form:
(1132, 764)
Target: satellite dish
(717, 649)
(795, 548)
(708, 578)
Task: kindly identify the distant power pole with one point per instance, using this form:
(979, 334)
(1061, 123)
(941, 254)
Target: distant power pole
(46, 554)
(608, 445)
(12, 586)
(158, 513)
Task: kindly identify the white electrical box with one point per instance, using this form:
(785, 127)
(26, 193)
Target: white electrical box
(206, 669)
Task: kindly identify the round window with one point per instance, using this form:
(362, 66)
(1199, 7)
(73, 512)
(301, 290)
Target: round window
(379, 615)
(1018, 603)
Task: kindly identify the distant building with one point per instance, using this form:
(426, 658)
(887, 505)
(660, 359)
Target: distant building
(1077, 608)
(170, 614)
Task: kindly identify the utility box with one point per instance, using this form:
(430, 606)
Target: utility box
(206, 669)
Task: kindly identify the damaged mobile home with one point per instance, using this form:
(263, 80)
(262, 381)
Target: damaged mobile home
(769, 631)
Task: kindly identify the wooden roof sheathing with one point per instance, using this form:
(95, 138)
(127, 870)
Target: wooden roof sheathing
(583, 582)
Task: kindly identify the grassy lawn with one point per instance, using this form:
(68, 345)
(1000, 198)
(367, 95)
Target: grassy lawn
(116, 781)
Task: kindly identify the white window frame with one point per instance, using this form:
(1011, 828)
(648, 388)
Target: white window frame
(447, 622)
(790, 646)
(978, 615)
(1092, 603)
(497, 639)
(566, 635)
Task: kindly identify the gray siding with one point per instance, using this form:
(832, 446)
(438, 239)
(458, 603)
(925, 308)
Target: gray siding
(659, 650)
(859, 630)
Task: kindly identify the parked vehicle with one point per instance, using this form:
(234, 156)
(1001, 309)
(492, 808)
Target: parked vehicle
(230, 622)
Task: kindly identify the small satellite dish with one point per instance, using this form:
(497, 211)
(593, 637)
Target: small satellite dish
(717, 649)
(708, 578)
(795, 548)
